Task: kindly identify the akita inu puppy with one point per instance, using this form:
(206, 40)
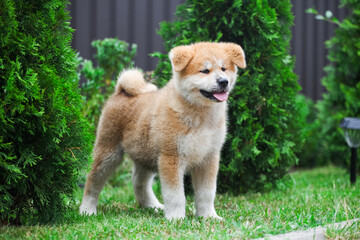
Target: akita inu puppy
(174, 130)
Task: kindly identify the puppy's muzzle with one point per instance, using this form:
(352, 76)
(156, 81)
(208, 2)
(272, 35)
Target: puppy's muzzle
(223, 83)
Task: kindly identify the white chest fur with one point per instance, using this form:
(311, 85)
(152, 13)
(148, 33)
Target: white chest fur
(203, 140)
(195, 146)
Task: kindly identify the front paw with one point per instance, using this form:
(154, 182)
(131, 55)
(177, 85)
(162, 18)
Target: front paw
(87, 211)
(158, 207)
(175, 214)
(174, 218)
(212, 215)
(216, 217)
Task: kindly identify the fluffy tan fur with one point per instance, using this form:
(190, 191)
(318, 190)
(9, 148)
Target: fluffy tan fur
(133, 81)
(174, 130)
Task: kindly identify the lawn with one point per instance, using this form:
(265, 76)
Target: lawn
(305, 199)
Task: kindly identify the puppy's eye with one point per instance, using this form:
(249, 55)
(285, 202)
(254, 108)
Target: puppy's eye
(205, 71)
(223, 69)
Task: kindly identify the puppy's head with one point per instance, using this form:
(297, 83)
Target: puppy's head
(205, 72)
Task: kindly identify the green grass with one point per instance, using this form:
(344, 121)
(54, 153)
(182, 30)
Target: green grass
(350, 231)
(306, 199)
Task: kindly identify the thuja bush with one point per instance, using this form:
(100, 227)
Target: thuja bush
(342, 83)
(264, 127)
(112, 55)
(310, 153)
(44, 140)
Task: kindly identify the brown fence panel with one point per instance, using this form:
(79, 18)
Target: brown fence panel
(308, 42)
(134, 21)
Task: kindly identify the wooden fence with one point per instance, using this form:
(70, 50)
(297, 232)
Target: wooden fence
(136, 21)
(308, 42)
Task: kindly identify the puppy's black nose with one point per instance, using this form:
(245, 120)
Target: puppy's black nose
(223, 82)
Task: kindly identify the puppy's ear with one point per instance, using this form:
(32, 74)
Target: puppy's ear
(236, 54)
(180, 57)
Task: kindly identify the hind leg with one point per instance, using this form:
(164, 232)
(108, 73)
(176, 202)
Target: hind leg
(104, 165)
(142, 182)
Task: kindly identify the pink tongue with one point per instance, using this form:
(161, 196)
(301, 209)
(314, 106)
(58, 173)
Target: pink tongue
(223, 96)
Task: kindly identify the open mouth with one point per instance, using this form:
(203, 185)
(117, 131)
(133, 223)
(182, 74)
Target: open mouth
(215, 96)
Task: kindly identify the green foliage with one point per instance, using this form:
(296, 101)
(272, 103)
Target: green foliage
(327, 17)
(342, 82)
(310, 152)
(113, 56)
(263, 116)
(44, 140)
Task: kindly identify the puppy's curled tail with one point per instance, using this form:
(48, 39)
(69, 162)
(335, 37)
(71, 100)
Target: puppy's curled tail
(132, 82)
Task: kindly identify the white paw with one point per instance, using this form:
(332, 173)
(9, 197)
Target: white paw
(216, 217)
(87, 210)
(213, 215)
(174, 218)
(175, 215)
(155, 205)
(158, 207)
(88, 205)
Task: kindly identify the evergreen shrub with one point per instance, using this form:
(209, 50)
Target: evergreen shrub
(342, 83)
(112, 56)
(45, 142)
(263, 130)
(310, 153)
